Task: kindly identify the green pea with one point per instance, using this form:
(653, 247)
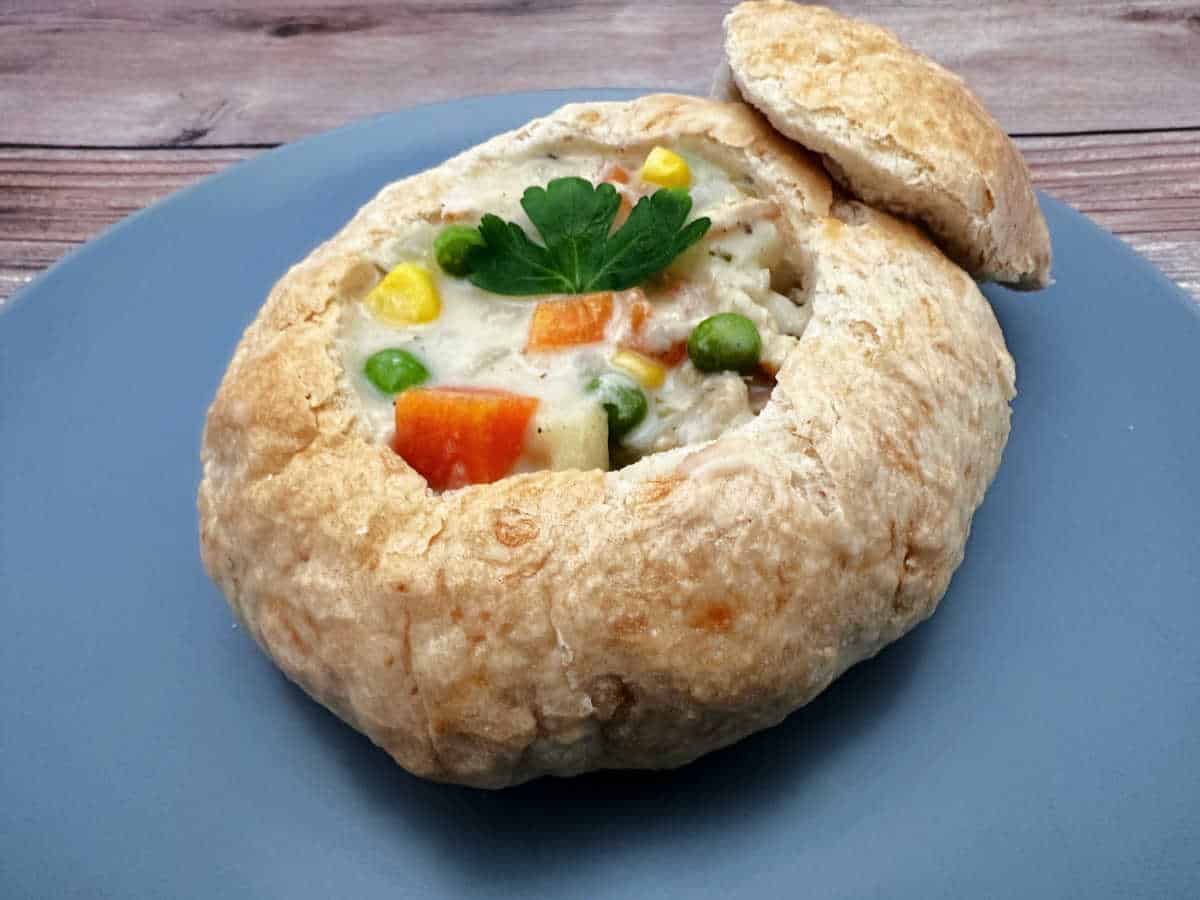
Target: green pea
(725, 342)
(453, 246)
(622, 400)
(393, 371)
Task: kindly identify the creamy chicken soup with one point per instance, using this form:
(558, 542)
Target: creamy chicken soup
(469, 384)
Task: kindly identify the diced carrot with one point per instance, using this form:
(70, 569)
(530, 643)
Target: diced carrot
(671, 357)
(623, 211)
(618, 177)
(615, 174)
(459, 436)
(564, 323)
(639, 314)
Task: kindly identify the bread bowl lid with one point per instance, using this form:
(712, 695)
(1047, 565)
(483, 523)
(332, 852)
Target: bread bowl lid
(893, 128)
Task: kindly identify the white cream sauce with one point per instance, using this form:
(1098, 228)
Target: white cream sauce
(479, 338)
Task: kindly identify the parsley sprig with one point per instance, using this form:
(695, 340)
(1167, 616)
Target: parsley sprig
(580, 255)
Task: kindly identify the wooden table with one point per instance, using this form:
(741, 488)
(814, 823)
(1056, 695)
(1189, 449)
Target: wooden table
(105, 106)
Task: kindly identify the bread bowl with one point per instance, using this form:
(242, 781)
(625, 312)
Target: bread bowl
(581, 610)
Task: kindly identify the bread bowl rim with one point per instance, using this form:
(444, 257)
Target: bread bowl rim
(248, 446)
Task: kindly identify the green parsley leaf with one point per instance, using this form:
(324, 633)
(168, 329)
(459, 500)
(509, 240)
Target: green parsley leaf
(574, 219)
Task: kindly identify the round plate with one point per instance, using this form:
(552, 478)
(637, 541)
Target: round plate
(1038, 737)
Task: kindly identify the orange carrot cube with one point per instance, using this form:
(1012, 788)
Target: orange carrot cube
(565, 323)
(460, 436)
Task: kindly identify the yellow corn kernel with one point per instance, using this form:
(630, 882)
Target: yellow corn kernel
(647, 372)
(406, 296)
(666, 168)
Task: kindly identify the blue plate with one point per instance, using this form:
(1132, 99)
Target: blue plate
(1039, 737)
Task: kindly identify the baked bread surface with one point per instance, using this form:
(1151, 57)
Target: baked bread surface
(557, 622)
(895, 128)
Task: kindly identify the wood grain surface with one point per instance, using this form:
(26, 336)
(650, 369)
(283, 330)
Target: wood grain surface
(106, 106)
(172, 74)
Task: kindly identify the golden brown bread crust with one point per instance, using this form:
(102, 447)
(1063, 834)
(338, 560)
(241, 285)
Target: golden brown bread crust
(898, 130)
(564, 621)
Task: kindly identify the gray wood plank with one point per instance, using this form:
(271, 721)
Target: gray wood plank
(1175, 254)
(51, 201)
(1143, 187)
(126, 73)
